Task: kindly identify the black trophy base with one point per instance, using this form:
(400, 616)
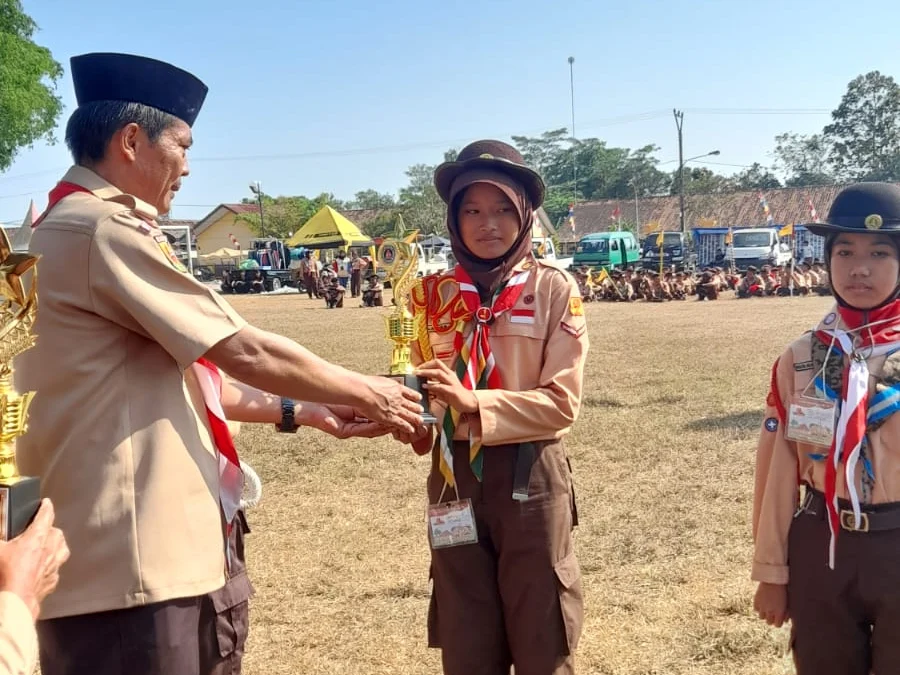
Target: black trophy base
(415, 382)
(19, 502)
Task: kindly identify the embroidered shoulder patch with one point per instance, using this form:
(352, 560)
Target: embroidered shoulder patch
(772, 425)
(803, 365)
(163, 242)
(576, 307)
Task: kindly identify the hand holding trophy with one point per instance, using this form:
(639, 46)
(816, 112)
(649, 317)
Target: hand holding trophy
(20, 496)
(400, 260)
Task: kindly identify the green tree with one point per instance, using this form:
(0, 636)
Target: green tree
(864, 133)
(372, 199)
(29, 106)
(420, 204)
(283, 216)
(700, 180)
(756, 177)
(803, 159)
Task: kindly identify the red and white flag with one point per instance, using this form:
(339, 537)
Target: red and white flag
(813, 214)
(234, 241)
(616, 213)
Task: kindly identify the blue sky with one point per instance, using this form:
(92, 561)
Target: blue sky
(339, 96)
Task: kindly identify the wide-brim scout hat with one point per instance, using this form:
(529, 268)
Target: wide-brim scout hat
(490, 155)
(864, 208)
(137, 79)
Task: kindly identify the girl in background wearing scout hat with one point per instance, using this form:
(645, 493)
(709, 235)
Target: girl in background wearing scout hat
(503, 359)
(826, 516)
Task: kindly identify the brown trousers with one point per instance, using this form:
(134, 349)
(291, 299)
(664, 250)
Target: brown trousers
(514, 598)
(844, 621)
(201, 635)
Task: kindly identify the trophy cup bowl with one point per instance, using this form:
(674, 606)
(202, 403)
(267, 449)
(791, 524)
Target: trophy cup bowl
(400, 262)
(20, 496)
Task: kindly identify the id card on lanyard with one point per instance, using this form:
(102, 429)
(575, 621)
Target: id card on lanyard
(811, 420)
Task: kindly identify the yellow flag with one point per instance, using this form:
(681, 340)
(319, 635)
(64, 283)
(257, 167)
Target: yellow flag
(601, 276)
(786, 231)
(729, 238)
(660, 238)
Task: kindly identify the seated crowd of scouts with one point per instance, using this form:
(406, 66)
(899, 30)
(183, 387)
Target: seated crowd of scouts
(632, 284)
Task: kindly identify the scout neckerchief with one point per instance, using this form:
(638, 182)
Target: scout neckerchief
(231, 477)
(62, 190)
(475, 365)
(858, 336)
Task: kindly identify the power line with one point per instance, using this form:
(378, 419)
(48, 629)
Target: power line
(605, 122)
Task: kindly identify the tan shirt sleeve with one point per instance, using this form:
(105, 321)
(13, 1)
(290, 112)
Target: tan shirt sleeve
(775, 496)
(134, 283)
(549, 409)
(18, 638)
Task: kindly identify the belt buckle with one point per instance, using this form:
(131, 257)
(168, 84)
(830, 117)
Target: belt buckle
(847, 521)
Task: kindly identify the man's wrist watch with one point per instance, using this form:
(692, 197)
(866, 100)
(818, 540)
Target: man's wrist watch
(287, 424)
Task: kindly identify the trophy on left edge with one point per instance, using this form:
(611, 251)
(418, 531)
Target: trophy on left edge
(20, 496)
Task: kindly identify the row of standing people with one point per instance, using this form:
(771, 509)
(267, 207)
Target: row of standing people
(348, 270)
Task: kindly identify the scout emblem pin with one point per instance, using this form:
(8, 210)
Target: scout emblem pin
(484, 314)
(874, 222)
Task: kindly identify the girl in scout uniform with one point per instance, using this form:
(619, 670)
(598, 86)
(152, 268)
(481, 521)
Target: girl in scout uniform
(827, 555)
(502, 355)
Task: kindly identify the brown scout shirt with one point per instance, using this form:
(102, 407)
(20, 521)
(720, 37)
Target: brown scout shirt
(781, 465)
(540, 347)
(120, 448)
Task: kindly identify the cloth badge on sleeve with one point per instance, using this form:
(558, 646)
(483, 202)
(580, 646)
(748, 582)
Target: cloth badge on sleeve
(576, 307)
(772, 425)
(803, 366)
(575, 332)
(163, 242)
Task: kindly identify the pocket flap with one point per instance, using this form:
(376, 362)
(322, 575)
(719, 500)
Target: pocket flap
(567, 570)
(236, 590)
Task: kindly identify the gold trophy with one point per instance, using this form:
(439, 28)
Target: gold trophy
(400, 260)
(20, 496)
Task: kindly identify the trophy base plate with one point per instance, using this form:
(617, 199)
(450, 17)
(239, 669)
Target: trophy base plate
(415, 382)
(19, 502)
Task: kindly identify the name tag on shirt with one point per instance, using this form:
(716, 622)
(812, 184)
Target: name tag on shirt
(452, 524)
(810, 420)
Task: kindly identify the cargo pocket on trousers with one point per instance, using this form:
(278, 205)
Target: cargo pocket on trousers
(232, 607)
(571, 602)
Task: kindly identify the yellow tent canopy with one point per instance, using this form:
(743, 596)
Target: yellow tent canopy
(328, 229)
(222, 253)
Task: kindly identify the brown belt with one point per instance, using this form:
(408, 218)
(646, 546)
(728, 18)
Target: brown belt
(873, 518)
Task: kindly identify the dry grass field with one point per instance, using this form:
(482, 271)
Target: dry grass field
(663, 458)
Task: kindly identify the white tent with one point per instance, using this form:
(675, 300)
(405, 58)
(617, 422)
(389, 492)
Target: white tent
(20, 238)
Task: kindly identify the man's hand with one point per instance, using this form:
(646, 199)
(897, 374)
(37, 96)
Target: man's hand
(770, 602)
(340, 421)
(445, 386)
(29, 564)
(389, 403)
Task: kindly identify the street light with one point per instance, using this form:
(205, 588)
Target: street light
(257, 190)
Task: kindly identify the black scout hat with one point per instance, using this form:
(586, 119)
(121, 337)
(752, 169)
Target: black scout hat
(490, 155)
(137, 79)
(863, 208)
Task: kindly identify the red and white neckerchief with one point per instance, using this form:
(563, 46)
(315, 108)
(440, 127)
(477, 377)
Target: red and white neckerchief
(475, 366)
(860, 336)
(231, 477)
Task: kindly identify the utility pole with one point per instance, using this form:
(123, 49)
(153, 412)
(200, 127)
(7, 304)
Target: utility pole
(679, 121)
(574, 148)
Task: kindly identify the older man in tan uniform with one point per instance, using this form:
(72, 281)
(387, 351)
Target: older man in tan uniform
(126, 450)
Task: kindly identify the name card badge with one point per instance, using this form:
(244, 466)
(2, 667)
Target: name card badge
(452, 524)
(810, 420)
